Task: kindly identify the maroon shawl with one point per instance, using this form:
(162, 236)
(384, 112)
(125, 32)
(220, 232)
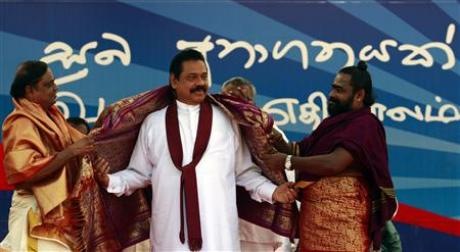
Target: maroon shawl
(363, 135)
(116, 133)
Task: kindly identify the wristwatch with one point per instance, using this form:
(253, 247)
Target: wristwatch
(287, 163)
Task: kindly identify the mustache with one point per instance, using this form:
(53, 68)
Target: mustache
(199, 88)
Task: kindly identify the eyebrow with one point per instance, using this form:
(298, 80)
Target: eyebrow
(193, 73)
(336, 86)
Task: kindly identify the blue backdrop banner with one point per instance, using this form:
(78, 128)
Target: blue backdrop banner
(102, 51)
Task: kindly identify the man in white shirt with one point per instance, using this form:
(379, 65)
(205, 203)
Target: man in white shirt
(193, 156)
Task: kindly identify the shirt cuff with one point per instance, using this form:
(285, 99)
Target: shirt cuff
(266, 192)
(115, 185)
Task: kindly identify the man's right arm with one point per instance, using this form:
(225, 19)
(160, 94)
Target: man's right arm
(79, 148)
(139, 170)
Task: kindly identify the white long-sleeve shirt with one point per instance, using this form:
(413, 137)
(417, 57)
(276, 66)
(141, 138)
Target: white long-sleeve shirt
(225, 163)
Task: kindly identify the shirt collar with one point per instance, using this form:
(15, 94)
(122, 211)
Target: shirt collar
(187, 107)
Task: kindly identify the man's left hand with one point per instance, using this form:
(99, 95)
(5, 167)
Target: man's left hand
(285, 193)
